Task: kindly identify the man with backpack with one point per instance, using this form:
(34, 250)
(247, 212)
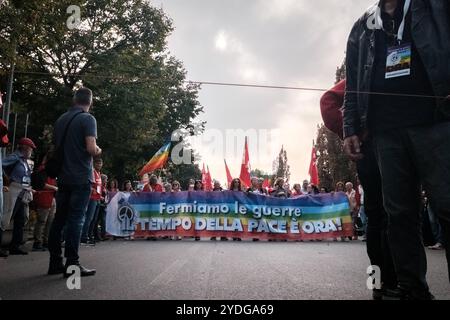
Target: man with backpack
(75, 137)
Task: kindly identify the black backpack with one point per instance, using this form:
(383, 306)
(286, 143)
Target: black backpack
(54, 164)
(38, 179)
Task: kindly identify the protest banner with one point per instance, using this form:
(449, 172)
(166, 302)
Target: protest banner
(229, 214)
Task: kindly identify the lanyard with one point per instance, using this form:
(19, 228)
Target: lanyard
(401, 28)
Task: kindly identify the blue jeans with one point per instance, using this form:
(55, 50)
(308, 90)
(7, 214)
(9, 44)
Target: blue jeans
(71, 204)
(435, 226)
(362, 215)
(90, 215)
(1, 199)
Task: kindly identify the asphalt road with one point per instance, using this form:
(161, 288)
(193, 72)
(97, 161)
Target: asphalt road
(190, 270)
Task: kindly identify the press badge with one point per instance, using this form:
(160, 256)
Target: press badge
(398, 63)
(26, 181)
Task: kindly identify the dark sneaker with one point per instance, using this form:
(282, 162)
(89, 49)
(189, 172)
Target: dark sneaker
(197, 238)
(418, 296)
(84, 272)
(17, 252)
(402, 294)
(223, 239)
(38, 247)
(3, 254)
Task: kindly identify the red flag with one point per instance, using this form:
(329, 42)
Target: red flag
(245, 167)
(208, 181)
(229, 177)
(204, 176)
(313, 172)
(266, 184)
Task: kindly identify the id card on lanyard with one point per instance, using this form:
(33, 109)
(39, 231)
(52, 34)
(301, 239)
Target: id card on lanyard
(26, 179)
(399, 57)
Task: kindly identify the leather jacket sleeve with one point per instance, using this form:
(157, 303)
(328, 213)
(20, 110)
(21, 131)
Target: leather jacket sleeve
(351, 124)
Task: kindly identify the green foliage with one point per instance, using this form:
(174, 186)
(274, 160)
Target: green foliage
(332, 163)
(260, 174)
(120, 52)
(281, 168)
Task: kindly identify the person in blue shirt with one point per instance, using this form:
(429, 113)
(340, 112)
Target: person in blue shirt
(18, 194)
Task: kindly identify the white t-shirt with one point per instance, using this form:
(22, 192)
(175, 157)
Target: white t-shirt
(361, 192)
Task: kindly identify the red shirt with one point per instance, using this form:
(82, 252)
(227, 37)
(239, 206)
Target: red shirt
(330, 106)
(3, 134)
(43, 199)
(156, 188)
(97, 187)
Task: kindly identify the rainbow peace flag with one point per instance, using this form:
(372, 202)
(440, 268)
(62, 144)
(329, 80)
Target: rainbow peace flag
(157, 161)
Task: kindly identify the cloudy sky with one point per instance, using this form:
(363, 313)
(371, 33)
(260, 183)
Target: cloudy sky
(269, 42)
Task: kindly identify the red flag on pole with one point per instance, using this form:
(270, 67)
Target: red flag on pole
(313, 172)
(229, 177)
(203, 176)
(266, 184)
(209, 184)
(245, 167)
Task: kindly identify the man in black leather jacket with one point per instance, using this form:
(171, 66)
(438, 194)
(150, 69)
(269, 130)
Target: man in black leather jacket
(398, 83)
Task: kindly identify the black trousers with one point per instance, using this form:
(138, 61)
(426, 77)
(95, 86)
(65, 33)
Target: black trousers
(71, 204)
(409, 158)
(19, 224)
(376, 230)
(100, 225)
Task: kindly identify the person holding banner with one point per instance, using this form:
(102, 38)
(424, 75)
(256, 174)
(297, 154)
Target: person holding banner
(217, 186)
(297, 190)
(255, 186)
(261, 186)
(167, 187)
(127, 186)
(153, 185)
(113, 186)
(279, 190)
(176, 186)
(236, 185)
(198, 186)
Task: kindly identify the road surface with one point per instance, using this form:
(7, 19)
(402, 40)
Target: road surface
(209, 270)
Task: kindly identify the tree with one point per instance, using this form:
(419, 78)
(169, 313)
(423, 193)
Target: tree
(332, 163)
(260, 174)
(340, 72)
(119, 51)
(281, 167)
